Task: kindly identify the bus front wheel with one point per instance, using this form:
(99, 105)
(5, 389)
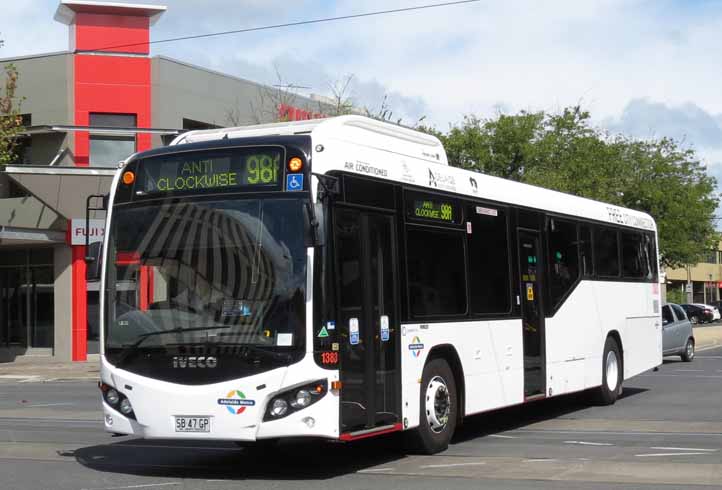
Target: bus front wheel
(438, 408)
(612, 374)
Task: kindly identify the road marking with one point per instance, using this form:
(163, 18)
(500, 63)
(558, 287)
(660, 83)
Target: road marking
(450, 465)
(499, 436)
(681, 375)
(619, 433)
(684, 449)
(540, 460)
(48, 405)
(147, 485)
(667, 454)
(584, 443)
(375, 470)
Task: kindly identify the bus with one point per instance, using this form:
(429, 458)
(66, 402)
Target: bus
(337, 279)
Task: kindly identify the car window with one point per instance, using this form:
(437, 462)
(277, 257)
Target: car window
(679, 312)
(667, 314)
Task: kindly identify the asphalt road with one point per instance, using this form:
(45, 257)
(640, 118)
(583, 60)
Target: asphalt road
(666, 432)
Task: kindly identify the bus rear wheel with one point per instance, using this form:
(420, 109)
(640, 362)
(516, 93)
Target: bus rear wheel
(612, 374)
(438, 408)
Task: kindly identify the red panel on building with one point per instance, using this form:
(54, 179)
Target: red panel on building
(111, 84)
(119, 33)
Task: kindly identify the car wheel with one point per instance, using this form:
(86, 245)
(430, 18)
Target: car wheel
(612, 375)
(438, 408)
(694, 319)
(688, 353)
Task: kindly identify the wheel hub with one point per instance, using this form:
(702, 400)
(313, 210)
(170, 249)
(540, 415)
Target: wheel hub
(438, 404)
(612, 366)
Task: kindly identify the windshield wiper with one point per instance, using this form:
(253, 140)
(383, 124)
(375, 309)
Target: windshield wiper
(141, 338)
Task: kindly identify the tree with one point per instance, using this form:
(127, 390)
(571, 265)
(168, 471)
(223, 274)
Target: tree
(11, 121)
(565, 152)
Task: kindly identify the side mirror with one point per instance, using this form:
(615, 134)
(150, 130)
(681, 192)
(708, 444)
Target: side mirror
(94, 261)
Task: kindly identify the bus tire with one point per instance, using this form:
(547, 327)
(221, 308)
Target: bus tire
(438, 408)
(612, 374)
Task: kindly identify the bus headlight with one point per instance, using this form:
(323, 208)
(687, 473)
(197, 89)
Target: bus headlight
(301, 399)
(112, 397)
(117, 400)
(295, 399)
(125, 407)
(279, 408)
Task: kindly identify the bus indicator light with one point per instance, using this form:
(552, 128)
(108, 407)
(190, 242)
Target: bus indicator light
(128, 177)
(295, 164)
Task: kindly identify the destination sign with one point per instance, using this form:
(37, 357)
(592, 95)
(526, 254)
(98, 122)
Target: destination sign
(437, 210)
(211, 170)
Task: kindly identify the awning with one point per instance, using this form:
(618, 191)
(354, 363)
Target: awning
(111, 130)
(63, 189)
(22, 236)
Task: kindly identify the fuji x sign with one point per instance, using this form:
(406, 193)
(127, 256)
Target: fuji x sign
(96, 231)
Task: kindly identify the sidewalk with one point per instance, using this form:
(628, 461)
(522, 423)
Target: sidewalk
(708, 336)
(41, 369)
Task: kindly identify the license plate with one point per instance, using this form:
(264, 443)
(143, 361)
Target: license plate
(192, 424)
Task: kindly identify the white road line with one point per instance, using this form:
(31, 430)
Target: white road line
(499, 436)
(584, 443)
(450, 465)
(375, 470)
(618, 433)
(666, 454)
(540, 460)
(48, 405)
(147, 485)
(684, 449)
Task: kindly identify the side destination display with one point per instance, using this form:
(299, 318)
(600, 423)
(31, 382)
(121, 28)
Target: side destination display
(423, 206)
(257, 167)
(437, 210)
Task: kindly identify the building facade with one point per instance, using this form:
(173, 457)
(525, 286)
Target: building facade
(699, 283)
(85, 109)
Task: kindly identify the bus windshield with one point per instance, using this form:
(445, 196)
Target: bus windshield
(206, 277)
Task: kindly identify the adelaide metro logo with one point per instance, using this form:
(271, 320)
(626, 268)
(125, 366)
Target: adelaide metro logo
(416, 346)
(236, 402)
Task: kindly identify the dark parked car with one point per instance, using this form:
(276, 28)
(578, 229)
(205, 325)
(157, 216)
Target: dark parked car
(697, 313)
(677, 336)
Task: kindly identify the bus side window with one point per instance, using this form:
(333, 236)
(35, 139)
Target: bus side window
(652, 255)
(635, 263)
(487, 240)
(606, 252)
(585, 250)
(563, 258)
(436, 272)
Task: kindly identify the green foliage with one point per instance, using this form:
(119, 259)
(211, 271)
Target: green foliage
(11, 121)
(564, 152)
(676, 295)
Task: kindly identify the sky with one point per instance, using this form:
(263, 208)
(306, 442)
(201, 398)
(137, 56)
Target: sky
(646, 68)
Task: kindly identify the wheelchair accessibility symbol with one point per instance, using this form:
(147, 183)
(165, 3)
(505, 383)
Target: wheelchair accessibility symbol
(294, 182)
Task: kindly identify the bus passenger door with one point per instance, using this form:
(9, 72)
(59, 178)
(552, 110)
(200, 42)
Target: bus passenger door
(365, 250)
(532, 313)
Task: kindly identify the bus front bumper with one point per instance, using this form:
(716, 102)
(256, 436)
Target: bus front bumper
(232, 410)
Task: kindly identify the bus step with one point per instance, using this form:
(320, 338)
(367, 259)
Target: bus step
(376, 431)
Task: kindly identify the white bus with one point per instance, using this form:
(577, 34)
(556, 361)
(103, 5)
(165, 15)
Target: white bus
(337, 279)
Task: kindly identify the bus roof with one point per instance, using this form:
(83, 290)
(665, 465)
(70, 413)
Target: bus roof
(412, 157)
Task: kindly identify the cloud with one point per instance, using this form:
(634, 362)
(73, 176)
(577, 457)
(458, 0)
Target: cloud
(688, 122)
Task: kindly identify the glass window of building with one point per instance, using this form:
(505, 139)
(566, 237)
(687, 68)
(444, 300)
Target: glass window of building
(106, 150)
